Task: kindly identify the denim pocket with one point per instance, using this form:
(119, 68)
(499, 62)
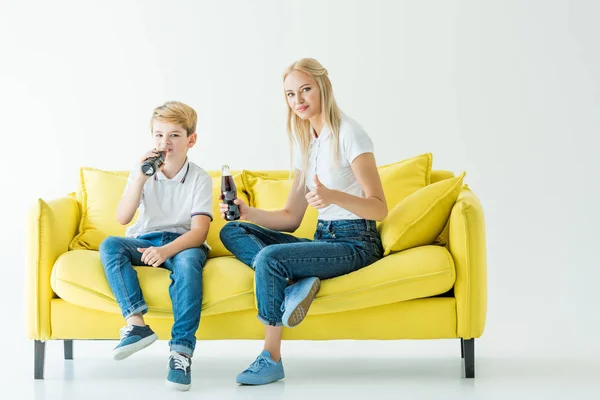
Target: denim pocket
(353, 229)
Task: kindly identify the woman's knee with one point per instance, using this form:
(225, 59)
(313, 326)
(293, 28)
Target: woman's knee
(268, 258)
(229, 229)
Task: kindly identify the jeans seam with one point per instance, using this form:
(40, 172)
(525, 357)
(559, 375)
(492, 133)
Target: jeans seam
(273, 292)
(325, 259)
(174, 300)
(120, 273)
(258, 243)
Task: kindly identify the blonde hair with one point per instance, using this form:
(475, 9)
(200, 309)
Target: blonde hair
(299, 129)
(178, 113)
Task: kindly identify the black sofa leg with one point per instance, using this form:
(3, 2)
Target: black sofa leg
(68, 349)
(462, 348)
(39, 354)
(468, 347)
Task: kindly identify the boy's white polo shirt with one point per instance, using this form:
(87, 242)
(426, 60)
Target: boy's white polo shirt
(167, 205)
(353, 141)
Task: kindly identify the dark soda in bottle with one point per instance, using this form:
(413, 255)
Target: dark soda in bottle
(229, 192)
(152, 164)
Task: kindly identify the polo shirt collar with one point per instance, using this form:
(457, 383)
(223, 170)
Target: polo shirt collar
(180, 177)
(325, 132)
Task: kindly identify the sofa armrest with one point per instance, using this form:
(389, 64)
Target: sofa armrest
(50, 228)
(468, 248)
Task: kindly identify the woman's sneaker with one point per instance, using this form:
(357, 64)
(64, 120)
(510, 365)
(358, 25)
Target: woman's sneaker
(297, 301)
(262, 371)
(133, 338)
(180, 371)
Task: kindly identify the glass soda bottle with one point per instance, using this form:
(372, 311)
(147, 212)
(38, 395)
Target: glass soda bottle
(152, 164)
(229, 192)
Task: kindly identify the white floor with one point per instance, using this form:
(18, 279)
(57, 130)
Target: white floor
(315, 370)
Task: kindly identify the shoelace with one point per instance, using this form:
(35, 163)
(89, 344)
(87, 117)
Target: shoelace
(181, 362)
(124, 331)
(258, 364)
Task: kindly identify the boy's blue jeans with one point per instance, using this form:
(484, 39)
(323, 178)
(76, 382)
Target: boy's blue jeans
(339, 247)
(118, 256)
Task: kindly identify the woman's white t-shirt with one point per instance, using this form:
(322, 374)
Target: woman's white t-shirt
(353, 142)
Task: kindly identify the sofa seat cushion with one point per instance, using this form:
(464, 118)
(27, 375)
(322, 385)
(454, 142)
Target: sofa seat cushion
(411, 274)
(78, 277)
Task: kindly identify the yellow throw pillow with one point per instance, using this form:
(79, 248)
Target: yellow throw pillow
(271, 193)
(401, 179)
(213, 239)
(420, 218)
(251, 178)
(99, 192)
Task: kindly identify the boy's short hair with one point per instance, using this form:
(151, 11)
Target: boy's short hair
(178, 113)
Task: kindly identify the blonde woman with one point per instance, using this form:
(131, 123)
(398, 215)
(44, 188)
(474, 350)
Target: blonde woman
(336, 173)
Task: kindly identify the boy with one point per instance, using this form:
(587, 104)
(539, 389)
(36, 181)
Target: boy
(175, 212)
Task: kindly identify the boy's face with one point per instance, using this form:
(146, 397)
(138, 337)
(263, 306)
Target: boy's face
(172, 139)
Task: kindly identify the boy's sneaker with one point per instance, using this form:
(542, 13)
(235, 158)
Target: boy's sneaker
(298, 298)
(180, 371)
(133, 338)
(262, 371)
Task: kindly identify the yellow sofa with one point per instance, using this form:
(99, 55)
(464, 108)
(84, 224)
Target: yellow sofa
(437, 290)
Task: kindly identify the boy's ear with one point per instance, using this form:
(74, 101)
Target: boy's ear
(192, 140)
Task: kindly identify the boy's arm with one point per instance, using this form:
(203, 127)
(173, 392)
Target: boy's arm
(130, 201)
(194, 238)
(133, 191)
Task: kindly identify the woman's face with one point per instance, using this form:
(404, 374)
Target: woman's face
(303, 95)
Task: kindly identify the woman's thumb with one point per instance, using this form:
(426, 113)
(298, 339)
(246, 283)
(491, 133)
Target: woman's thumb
(317, 181)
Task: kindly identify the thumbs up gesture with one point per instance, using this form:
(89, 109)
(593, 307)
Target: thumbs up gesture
(321, 196)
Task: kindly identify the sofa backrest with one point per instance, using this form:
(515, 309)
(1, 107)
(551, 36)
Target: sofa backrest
(100, 192)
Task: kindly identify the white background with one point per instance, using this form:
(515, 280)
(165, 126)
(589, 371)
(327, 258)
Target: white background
(508, 91)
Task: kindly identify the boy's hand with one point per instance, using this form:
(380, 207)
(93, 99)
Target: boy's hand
(240, 203)
(152, 153)
(153, 256)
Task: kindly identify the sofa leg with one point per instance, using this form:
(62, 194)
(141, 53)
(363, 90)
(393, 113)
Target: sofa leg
(39, 353)
(469, 357)
(462, 348)
(68, 349)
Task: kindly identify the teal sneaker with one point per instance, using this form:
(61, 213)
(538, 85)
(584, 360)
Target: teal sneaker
(262, 371)
(133, 338)
(298, 298)
(180, 371)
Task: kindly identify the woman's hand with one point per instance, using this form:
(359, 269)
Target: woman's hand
(243, 207)
(321, 197)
